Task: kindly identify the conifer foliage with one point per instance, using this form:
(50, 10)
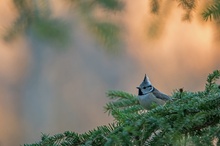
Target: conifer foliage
(192, 118)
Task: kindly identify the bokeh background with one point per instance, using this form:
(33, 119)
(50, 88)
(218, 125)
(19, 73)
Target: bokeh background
(59, 58)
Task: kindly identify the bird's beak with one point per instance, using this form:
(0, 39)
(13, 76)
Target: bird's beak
(138, 87)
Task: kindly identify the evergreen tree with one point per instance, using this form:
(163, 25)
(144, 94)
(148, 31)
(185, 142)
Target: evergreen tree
(192, 118)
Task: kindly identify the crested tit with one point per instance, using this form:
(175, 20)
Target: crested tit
(148, 95)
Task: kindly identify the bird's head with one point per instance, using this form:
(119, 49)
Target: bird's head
(145, 87)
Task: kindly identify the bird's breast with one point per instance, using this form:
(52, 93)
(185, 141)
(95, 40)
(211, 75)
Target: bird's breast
(148, 99)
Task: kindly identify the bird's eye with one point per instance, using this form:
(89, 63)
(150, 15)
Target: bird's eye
(144, 87)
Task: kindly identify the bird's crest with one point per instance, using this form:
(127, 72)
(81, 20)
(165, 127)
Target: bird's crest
(146, 80)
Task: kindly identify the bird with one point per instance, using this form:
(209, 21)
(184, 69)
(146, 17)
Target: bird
(148, 95)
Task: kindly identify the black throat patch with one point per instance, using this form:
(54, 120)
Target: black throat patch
(140, 92)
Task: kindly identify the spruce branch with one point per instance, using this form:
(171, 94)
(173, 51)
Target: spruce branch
(113, 5)
(120, 95)
(210, 85)
(155, 6)
(212, 11)
(187, 4)
(192, 118)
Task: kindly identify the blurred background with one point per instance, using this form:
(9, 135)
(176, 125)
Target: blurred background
(59, 58)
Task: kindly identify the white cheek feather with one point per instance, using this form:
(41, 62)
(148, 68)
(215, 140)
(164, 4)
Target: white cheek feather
(152, 88)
